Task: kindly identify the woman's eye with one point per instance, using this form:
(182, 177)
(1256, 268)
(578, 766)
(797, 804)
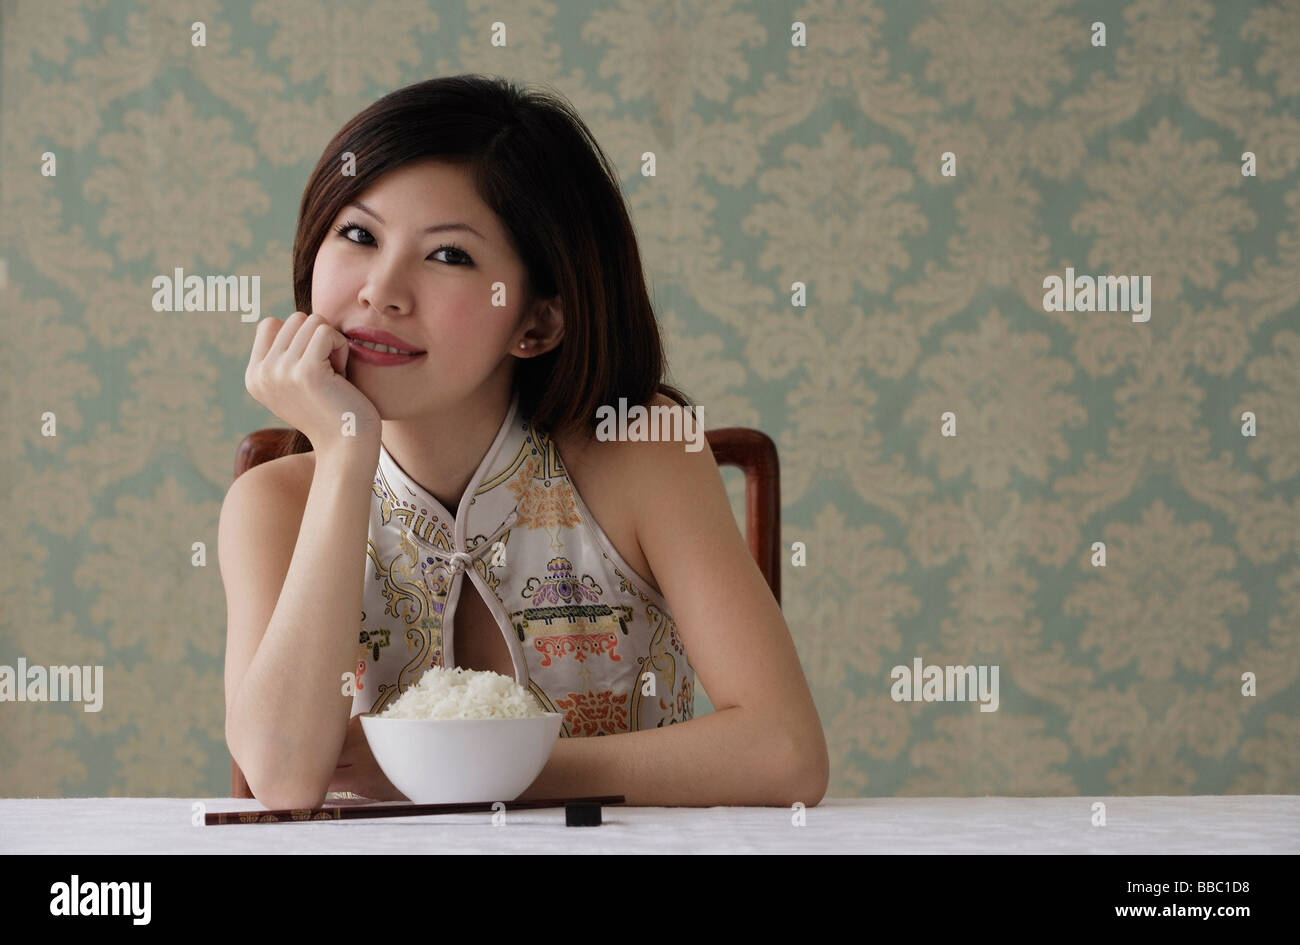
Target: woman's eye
(345, 228)
(457, 253)
(459, 256)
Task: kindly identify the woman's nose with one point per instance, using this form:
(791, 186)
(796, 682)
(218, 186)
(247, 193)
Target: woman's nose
(386, 288)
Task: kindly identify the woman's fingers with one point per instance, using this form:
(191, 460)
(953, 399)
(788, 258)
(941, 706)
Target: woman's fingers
(302, 337)
(285, 336)
(324, 344)
(267, 329)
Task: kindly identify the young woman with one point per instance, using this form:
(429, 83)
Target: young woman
(449, 500)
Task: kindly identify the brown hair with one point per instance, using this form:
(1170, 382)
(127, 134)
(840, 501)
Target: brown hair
(535, 163)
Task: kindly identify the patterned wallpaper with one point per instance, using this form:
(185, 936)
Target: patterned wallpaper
(859, 211)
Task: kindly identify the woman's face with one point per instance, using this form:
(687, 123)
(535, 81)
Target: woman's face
(384, 271)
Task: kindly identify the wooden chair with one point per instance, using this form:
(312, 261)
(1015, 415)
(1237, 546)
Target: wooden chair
(751, 450)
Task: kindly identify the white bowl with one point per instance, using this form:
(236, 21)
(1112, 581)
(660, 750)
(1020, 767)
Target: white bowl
(457, 761)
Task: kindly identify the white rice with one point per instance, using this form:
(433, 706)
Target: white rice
(458, 693)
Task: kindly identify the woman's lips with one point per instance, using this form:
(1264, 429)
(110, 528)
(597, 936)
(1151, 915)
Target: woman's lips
(382, 358)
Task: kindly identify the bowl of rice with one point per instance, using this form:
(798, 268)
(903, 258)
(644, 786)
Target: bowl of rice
(461, 735)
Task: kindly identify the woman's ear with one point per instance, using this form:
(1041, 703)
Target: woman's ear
(547, 329)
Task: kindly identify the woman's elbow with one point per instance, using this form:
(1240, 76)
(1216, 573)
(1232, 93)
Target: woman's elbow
(284, 793)
(806, 773)
(810, 780)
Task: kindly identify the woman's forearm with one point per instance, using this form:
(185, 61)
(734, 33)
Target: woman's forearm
(725, 758)
(289, 716)
(729, 757)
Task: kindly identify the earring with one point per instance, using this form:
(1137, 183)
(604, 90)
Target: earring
(522, 345)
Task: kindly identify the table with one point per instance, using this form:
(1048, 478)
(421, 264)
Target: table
(1230, 824)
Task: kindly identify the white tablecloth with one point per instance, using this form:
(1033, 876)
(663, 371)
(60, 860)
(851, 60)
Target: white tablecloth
(1229, 824)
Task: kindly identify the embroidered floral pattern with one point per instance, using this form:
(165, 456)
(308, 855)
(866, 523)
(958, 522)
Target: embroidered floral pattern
(595, 713)
(581, 645)
(686, 699)
(560, 587)
(374, 640)
(544, 503)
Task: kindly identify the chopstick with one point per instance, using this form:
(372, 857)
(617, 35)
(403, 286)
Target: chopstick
(289, 815)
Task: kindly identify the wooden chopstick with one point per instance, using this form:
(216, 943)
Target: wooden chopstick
(289, 815)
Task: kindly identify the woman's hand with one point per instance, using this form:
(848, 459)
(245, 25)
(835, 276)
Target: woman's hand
(298, 370)
(358, 772)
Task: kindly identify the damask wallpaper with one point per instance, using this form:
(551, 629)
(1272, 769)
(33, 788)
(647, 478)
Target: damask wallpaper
(1014, 285)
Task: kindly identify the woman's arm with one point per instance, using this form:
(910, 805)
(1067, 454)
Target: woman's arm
(764, 743)
(729, 757)
(286, 715)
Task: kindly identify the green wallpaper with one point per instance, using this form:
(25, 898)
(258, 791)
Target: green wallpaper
(921, 168)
